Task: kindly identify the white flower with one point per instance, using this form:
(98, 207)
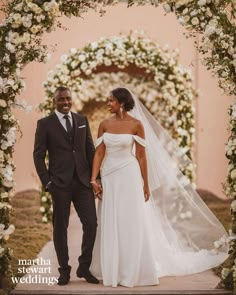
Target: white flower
(186, 18)
(47, 57)
(5, 205)
(44, 219)
(25, 38)
(4, 195)
(74, 64)
(35, 8)
(81, 57)
(3, 103)
(18, 6)
(192, 130)
(181, 20)
(10, 47)
(207, 44)
(210, 28)
(12, 37)
(10, 230)
(27, 21)
(88, 72)
(73, 50)
(233, 174)
(44, 199)
(42, 209)
(167, 7)
(195, 21)
(52, 7)
(17, 20)
(35, 29)
(233, 205)
(7, 172)
(64, 57)
(5, 233)
(84, 66)
(40, 18)
(231, 50)
(202, 2)
(10, 138)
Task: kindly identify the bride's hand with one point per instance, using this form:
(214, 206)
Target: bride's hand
(146, 192)
(97, 189)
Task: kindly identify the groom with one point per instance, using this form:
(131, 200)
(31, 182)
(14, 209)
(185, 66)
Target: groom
(67, 139)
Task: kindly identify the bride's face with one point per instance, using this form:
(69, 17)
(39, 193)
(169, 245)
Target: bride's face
(113, 105)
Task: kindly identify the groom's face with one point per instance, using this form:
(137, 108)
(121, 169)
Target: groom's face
(63, 101)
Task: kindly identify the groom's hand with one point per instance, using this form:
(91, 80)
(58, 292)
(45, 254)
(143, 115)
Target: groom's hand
(97, 189)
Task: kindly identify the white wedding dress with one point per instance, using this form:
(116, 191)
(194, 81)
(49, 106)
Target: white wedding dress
(134, 244)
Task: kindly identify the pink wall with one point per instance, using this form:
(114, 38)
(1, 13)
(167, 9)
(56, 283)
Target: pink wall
(211, 116)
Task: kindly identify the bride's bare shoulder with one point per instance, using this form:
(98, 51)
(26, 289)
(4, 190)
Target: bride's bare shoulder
(138, 126)
(106, 121)
(137, 123)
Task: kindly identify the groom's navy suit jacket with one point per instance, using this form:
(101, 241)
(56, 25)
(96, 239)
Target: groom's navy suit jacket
(67, 155)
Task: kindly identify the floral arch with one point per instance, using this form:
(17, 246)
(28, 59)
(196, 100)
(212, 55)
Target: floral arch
(20, 42)
(136, 62)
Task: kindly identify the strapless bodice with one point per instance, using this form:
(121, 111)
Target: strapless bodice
(119, 150)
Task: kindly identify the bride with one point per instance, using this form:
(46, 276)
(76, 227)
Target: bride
(151, 222)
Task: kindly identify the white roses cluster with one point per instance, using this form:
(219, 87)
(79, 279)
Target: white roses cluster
(122, 51)
(9, 139)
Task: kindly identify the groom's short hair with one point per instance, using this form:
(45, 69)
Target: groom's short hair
(59, 89)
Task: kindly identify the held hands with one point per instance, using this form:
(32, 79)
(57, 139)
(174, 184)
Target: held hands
(146, 192)
(97, 188)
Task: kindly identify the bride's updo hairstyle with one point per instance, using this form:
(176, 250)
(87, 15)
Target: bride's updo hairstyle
(123, 96)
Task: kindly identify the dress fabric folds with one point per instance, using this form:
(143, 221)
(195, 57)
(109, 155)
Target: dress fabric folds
(131, 247)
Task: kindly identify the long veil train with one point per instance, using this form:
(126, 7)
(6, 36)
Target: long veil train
(194, 238)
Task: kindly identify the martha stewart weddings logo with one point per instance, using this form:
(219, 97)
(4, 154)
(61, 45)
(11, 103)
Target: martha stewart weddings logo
(34, 271)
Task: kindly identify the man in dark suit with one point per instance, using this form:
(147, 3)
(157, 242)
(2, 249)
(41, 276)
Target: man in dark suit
(67, 139)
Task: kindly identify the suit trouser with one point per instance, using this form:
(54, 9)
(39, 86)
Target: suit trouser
(83, 199)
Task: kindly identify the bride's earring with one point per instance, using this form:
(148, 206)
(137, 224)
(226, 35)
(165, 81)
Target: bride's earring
(121, 112)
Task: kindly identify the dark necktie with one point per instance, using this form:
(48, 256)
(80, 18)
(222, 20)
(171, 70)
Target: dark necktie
(68, 124)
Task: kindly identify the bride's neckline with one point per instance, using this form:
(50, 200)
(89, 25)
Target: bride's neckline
(119, 133)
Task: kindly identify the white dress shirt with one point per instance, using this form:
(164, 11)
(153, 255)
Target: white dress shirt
(62, 120)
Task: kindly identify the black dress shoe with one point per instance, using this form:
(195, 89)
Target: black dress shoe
(86, 274)
(63, 279)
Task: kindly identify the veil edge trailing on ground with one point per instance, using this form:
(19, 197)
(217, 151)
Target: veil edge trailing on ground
(188, 224)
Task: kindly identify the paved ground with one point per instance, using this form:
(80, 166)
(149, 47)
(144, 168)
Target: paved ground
(203, 283)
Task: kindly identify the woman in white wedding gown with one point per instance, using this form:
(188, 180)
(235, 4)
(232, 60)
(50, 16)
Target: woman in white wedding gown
(139, 239)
